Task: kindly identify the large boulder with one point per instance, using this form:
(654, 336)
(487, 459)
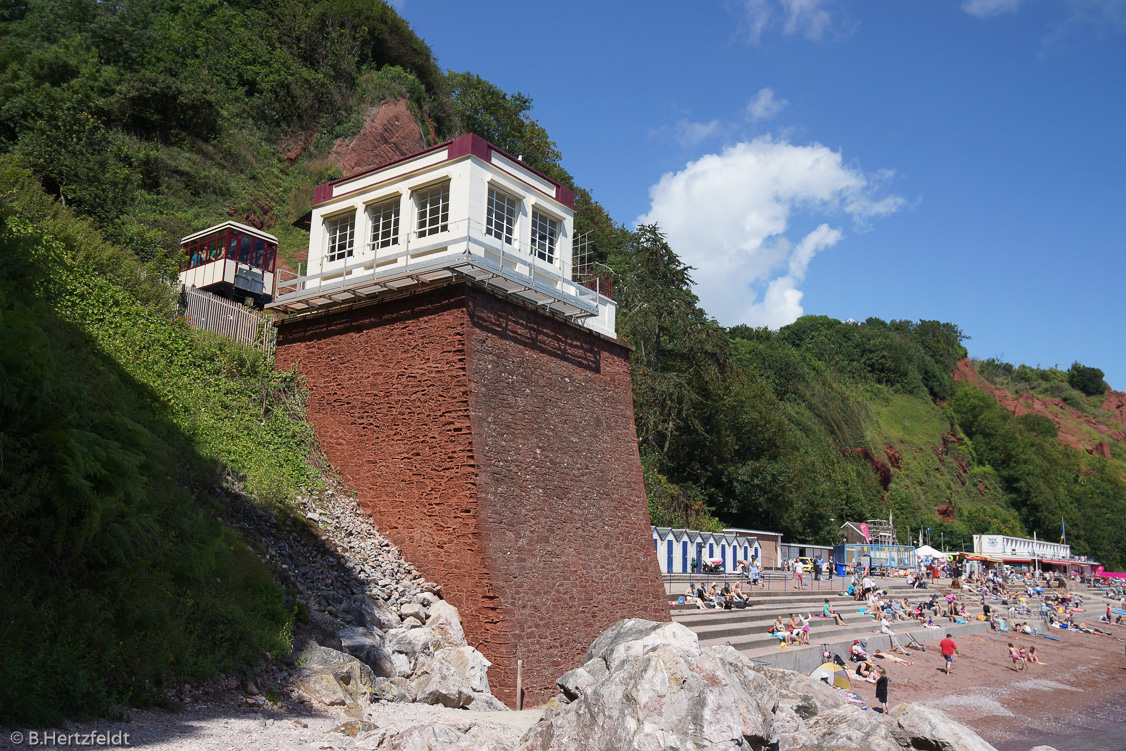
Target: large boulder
(412, 610)
(574, 682)
(669, 697)
(634, 637)
(917, 726)
(445, 623)
(411, 648)
(455, 677)
(367, 646)
(790, 732)
(803, 695)
(333, 678)
(848, 728)
(372, 613)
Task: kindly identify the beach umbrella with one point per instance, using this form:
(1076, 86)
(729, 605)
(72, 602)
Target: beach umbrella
(833, 674)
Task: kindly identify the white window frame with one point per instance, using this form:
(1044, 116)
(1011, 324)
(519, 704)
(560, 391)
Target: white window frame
(432, 208)
(340, 241)
(548, 253)
(384, 216)
(500, 206)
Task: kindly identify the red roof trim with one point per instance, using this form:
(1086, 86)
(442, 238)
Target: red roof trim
(469, 144)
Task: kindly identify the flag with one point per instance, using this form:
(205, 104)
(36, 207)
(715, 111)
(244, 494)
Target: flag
(1063, 532)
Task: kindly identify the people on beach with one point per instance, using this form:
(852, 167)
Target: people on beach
(1018, 661)
(828, 612)
(948, 649)
(882, 690)
(781, 631)
(1032, 656)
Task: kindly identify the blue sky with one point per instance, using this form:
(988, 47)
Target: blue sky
(959, 160)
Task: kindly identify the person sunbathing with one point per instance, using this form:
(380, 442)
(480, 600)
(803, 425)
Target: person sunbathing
(828, 612)
(866, 670)
(856, 652)
(1032, 656)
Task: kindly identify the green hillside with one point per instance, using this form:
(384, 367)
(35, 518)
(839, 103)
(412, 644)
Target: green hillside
(124, 126)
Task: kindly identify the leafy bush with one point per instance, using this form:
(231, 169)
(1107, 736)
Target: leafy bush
(1088, 380)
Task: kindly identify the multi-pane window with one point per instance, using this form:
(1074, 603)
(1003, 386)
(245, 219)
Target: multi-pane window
(384, 223)
(433, 206)
(500, 216)
(545, 229)
(341, 232)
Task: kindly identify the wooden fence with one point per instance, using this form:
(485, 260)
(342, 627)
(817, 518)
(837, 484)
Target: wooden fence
(209, 312)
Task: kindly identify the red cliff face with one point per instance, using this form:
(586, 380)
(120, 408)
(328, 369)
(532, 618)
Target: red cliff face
(496, 446)
(1074, 426)
(389, 132)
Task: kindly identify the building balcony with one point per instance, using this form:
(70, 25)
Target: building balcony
(461, 251)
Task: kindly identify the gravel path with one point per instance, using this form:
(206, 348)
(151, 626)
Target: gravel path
(231, 728)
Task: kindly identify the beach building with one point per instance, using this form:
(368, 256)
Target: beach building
(770, 545)
(792, 550)
(677, 548)
(1028, 554)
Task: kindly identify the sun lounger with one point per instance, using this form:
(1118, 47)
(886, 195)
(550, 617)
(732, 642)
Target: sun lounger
(913, 643)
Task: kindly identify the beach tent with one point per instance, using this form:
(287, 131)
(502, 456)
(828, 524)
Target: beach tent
(833, 674)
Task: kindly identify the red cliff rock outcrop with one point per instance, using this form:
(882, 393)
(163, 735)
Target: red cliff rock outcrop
(1068, 421)
(389, 132)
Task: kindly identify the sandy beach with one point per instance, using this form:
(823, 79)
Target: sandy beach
(1077, 692)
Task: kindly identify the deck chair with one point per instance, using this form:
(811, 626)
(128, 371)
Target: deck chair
(896, 646)
(913, 643)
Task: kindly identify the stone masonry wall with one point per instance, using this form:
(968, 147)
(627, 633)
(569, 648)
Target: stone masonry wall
(561, 499)
(496, 447)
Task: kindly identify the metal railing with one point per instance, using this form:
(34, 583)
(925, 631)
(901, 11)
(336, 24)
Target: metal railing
(463, 239)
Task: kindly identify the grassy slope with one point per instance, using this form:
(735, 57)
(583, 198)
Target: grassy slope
(115, 420)
(934, 472)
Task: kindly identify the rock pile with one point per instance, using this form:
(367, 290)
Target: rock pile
(649, 685)
(378, 630)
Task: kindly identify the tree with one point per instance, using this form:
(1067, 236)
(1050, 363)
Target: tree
(1088, 380)
(503, 120)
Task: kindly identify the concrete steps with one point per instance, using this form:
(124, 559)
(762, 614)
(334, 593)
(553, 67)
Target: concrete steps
(746, 629)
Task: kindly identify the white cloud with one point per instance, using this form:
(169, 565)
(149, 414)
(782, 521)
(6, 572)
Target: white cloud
(990, 8)
(808, 17)
(764, 106)
(756, 15)
(728, 215)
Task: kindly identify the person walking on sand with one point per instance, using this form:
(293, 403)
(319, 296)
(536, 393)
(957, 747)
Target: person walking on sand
(949, 649)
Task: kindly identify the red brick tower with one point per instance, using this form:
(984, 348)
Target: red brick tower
(477, 400)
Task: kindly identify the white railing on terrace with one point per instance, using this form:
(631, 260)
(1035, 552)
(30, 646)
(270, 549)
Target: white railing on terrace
(464, 243)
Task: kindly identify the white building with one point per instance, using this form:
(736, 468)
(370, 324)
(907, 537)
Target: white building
(677, 547)
(461, 210)
(1020, 548)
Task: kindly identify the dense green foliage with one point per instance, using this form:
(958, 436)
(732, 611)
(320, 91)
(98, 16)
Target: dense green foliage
(114, 420)
(155, 118)
(1088, 380)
